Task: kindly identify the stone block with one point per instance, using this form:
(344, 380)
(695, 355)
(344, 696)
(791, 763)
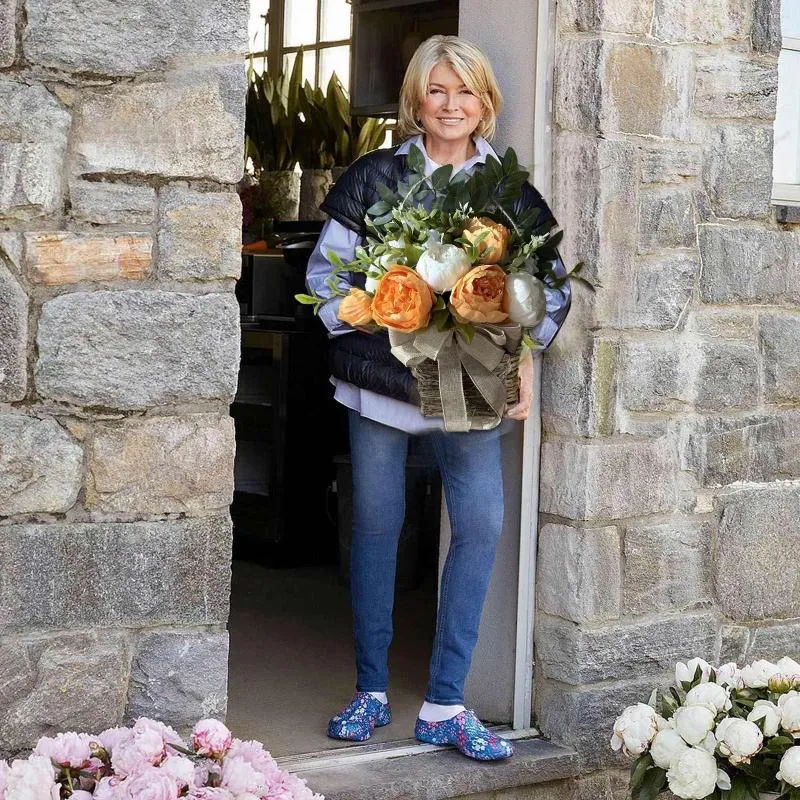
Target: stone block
(756, 552)
(646, 90)
(773, 641)
(154, 128)
(199, 234)
(577, 92)
(8, 35)
(727, 376)
(666, 219)
(576, 656)
(41, 465)
(759, 448)
(579, 573)
(62, 682)
(737, 170)
(749, 265)
(13, 337)
(661, 288)
(708, 21)
(110, 38)
(617, 16)
(780, 344)
(612, 479)
(666, 566)
(179, 677)
(733, 644)
(33, 145)
(789, 215)
(554, 790)
(135, 349)
(766, 35)
(79, 575)
(669, 165)
(732, 85)
(161, 465)
(107, 203)
(59, 257)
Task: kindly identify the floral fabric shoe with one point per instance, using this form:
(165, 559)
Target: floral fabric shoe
(466, 732)
(356, 722)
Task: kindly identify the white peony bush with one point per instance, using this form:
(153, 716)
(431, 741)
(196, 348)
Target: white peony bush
(722, 733)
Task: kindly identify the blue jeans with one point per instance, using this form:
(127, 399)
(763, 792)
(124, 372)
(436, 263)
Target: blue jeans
(472, 480)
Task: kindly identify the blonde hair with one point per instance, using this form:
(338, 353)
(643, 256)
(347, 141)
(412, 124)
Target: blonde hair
(469, 63)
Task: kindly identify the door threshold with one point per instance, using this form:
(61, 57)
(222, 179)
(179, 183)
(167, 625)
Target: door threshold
(340, 756)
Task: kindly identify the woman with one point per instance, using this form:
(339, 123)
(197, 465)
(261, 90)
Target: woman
(449, 102)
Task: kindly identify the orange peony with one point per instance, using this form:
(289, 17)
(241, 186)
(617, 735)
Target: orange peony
(478, 296)
(493, 246)
(356, 308)
(403, 301)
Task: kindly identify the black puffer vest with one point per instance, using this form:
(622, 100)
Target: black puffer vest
(362, 359)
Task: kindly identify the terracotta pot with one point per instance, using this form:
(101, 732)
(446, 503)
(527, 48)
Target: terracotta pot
(314, 185)
(281, 191)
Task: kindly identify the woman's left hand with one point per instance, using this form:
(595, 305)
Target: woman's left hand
(521, 409)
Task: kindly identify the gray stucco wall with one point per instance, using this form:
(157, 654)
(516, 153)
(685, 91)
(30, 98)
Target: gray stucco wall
(120, 144)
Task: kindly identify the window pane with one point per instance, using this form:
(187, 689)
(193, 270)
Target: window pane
(334, 59)
(790, 18)
(299, 22)
(335, 20)
(786, 168)
(256, 30)
(309, 64)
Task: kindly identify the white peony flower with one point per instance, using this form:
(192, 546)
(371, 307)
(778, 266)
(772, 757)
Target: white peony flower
(786, 677)
(770, 713)
(32, 778)
(789, 705)
(693, 723)
(730, 675)
(442, 265)
(711, 695)
(684, 673)
(693, 775)
(757, 674)
(723, 780)
(634, 729)
(789, 768)
(738, 740)
(524, 300)
(667, 746)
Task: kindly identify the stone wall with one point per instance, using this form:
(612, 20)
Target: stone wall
(120, 144)
(670, 487)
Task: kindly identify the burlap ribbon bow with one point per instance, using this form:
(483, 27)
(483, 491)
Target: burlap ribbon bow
(451, 351)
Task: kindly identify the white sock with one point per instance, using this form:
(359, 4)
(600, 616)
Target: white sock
(380, 696)
(433, 712)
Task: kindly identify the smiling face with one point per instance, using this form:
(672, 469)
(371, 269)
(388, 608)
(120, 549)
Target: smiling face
(450, 112)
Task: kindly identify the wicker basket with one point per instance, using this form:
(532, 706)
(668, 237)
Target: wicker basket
(427, 375)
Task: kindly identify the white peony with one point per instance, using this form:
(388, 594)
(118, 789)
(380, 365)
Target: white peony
(634, 729)
(693, 775)
(693, 723)
(442, 265)
(711, 695)
(32, 779)
(684, 673)
(787, 675)
(667, 746)
(738, 740)
(757, 674)
(789, 704)
(789, 768)
(524, 299)
(770, 713)
(730, 675)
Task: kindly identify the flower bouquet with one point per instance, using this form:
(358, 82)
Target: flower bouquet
(455, 269)
(721, 734)
(150, 761)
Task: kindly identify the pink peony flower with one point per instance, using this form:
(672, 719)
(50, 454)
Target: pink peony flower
(209, 793)
(108, 789)
(211, 738)
(238, 776)
(254, 754)
(4, 770)
(290, 787)
(149, 783)
(169, 735)
(144, 749)
(114, 736)
(32, 779)
(80, 794)
(66, 749)
(180, 769)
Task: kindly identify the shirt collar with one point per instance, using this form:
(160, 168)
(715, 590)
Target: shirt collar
(482, 147)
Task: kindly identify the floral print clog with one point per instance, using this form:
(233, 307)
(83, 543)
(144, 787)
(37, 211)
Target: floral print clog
(356, 722)
(467, 733)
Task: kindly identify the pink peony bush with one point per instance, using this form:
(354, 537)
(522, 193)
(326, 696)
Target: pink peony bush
(150, 761)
